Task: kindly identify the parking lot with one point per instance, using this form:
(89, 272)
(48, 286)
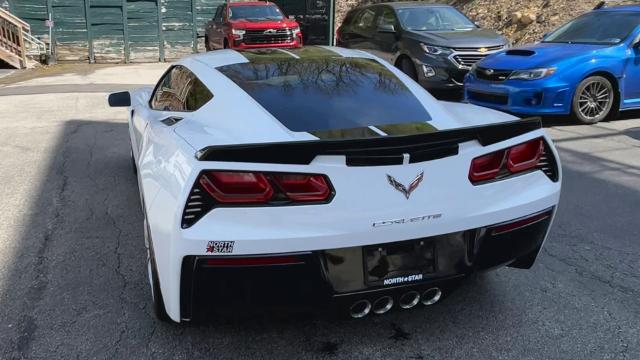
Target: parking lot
(73, 281)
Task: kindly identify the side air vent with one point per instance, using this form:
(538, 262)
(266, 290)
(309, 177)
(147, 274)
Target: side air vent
(198, 204)
(520, 52)
(548, 163)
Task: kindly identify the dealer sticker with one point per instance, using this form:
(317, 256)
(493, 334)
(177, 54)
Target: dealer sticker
(220, 247)
(402, 279)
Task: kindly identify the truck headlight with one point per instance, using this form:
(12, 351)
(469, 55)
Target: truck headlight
(238, 33)
(533, 74)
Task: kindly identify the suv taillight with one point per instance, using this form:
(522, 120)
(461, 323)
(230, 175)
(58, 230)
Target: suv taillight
(503, 163)
(250, 188)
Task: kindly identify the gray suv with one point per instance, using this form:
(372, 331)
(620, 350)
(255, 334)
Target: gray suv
(434, 44)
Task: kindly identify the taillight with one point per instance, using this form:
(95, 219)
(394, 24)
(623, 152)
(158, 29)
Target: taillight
(299, 187)
(237, 187)
(251, 188)
(506, 162)
(525, 156)
(486, 167)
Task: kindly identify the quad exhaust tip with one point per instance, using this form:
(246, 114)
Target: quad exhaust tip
(431, 296)
(360, 309)
(409, 299)
(382, 305)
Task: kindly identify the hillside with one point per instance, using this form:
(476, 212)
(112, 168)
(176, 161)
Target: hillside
(523, 21)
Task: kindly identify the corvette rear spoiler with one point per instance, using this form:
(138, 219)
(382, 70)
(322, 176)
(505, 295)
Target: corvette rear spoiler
(388, 150)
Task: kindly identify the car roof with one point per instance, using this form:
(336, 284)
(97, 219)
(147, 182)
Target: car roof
(632, 8)
(214, 59)
(249, 3)
(407, 4)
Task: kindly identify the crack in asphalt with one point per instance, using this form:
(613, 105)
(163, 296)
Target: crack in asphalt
(36, 289)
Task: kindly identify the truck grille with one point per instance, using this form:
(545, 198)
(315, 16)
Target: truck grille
(268, 36)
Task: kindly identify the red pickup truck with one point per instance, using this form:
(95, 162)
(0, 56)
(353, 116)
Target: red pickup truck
(250, 25)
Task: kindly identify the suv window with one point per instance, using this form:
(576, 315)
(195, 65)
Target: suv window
(387, 17)
(180, 90)
(348, 19)
(364, 20)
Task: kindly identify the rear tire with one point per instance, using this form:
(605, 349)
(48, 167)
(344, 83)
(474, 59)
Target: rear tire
(206, 43)
(407, 67)
(593, 100)
(134, 167)
(159, 310)
(226, 44)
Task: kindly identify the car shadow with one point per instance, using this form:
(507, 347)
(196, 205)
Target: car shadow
(78, 285)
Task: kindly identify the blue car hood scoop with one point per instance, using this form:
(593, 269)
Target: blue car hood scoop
(520, 52)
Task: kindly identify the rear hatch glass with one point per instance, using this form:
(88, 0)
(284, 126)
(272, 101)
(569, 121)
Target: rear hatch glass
(331, 96)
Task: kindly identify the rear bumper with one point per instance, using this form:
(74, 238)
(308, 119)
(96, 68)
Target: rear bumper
(520, 97)
(342, 276)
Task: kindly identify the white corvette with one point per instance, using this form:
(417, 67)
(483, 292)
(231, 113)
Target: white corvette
(327, 175)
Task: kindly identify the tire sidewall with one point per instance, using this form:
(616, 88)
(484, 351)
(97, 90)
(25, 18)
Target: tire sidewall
(407, 67)
(576, 96)
(159, 309)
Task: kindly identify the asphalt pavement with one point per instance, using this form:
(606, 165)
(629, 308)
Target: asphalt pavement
(73, 281)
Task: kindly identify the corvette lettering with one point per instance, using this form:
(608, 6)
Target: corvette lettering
(402, 279)
(220, 247)
(407, 220)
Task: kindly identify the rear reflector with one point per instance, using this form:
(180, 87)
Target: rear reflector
(255, 261)
(518, 224)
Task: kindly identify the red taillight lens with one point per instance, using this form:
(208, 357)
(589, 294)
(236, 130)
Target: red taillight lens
(237, 187)
(518, 224)
(505, 162)
(255, 261)
(525, 156)
(299, 187)
(486, 167)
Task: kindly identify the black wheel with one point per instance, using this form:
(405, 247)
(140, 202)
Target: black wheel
(134, 167)
(206, 43)
(407, 67)
(593, 100)
(156, 295)
(226, 44)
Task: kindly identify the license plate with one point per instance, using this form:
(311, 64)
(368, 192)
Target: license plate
(400, 262)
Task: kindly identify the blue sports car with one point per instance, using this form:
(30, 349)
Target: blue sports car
(589, 68)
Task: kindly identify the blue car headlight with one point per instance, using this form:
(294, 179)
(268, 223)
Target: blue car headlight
(532, 74)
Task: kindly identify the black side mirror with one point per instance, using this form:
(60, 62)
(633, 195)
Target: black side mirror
(386, 28)
(120, 99)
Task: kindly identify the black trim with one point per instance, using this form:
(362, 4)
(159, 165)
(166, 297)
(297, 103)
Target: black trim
(443, 143)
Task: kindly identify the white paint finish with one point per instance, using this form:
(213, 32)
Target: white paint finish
(168, 168)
